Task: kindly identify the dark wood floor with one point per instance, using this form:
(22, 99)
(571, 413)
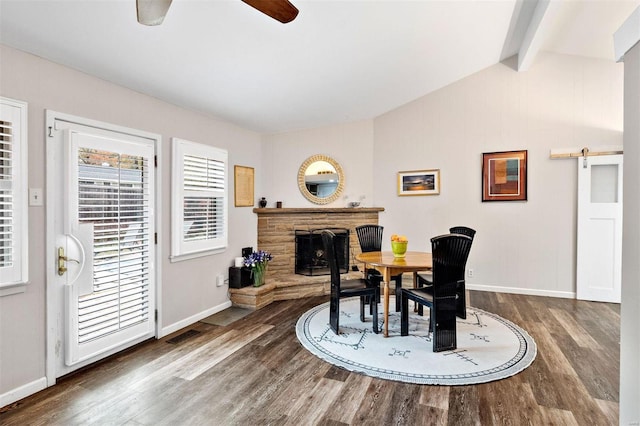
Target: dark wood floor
(254, 372)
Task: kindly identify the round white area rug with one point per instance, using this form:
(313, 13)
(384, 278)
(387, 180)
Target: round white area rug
(489, 347)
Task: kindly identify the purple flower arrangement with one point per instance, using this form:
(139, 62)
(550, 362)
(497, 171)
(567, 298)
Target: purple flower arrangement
(258, 261)
(256, 258)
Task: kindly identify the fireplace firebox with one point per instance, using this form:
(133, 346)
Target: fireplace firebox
(310, 254)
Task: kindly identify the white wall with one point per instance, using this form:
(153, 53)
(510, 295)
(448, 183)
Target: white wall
(630, 309)
(350, 144)
(562, 101)
(188, 287)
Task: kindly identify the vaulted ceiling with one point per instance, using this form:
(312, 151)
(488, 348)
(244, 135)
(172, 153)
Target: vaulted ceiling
(338, 61)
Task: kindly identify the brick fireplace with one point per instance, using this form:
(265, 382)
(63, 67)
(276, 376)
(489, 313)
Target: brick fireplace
(276, 234)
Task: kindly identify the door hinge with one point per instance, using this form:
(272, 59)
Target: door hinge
(155, 161)
(155, 238)
(155, 315)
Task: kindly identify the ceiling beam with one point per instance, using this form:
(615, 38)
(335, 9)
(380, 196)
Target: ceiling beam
(627, 36)
(543, 16)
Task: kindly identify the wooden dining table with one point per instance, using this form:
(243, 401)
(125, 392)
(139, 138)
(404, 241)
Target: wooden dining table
(389, 266)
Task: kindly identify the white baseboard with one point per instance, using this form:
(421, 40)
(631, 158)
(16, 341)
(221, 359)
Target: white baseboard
(194, 318)
(23, 391)
(527, 291)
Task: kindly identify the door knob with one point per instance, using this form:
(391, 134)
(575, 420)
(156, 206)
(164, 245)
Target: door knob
(62, 259)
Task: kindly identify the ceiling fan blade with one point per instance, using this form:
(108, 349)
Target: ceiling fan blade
(280, 10)
(152, 12)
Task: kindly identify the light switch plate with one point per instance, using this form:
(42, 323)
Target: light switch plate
(35, 197)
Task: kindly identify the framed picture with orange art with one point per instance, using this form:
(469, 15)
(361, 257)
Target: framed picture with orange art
(419, 182)
(504, 176)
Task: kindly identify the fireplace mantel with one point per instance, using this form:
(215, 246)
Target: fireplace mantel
(276, 234)
(322, 210)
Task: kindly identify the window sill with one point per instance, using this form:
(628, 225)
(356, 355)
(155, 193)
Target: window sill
(187, 256)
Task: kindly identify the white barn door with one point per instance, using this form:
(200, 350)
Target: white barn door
(599, 251)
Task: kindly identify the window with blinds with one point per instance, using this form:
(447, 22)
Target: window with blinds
(199, 222)
(6, 194)
(113, 196)
(13, 197)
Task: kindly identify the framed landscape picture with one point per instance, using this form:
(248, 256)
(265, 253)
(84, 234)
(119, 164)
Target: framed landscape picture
(504, 176)
(419, 182)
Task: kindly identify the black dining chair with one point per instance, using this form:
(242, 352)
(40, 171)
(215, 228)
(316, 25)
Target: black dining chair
(370, 239)
(464, 230)
(449, 253)
(369, 293)
(425, 281)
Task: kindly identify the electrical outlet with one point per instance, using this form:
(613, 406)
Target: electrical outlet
(470, 273)
(220, 280)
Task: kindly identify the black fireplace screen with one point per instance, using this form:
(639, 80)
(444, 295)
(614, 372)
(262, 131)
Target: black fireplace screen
(310, 255)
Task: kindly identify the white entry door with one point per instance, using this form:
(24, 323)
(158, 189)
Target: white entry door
(599, 263)
(102, 277)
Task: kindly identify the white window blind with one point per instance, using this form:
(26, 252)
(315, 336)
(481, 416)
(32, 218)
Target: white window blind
(13, 194)
(6, 194)
(113, 196)
(199, 206)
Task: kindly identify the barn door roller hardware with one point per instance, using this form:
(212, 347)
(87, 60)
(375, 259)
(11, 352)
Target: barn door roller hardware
(584, 153)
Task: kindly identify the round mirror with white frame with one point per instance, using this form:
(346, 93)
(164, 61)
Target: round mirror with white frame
(320, 179)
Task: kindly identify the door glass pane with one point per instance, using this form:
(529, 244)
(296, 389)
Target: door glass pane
(604, 183)
(114, 198)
